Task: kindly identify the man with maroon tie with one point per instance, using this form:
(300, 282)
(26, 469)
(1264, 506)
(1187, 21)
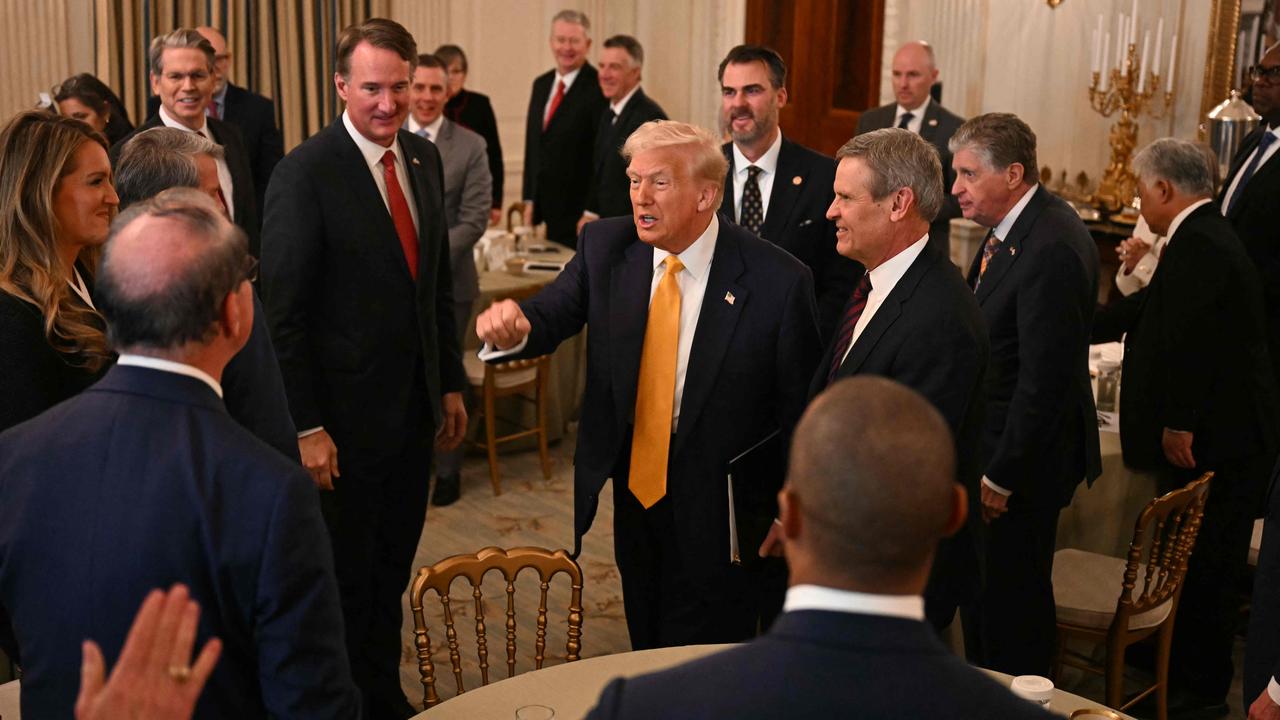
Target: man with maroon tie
(355, 273)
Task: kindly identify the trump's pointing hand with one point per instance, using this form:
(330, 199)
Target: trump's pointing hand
(503, 325)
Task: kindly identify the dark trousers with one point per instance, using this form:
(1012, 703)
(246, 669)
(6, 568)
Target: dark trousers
(450, 462)
(667, 602)
(375, 516)
(1013, 626)
(1208, 611)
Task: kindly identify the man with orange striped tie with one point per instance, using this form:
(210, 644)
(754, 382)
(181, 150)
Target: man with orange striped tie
(703, 339)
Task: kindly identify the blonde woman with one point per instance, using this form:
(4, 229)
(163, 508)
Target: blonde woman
(56, 207)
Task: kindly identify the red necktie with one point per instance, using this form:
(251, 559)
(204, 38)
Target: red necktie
(555, 103)
(400, 214)
(212, 110)
(852, 312)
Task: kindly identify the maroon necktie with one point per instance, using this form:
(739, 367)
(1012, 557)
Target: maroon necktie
(555, 103)
(853, 311)
(400, 214)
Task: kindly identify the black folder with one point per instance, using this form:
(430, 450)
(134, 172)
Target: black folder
(753, 477)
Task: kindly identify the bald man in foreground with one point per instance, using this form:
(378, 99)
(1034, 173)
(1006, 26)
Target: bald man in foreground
(144, 480)
(860, 527)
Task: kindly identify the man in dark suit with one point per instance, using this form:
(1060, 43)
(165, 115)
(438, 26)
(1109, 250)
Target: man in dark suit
(1262, 649)
(859, 527)
(1036, 279)
(466, 210)
(560, 130)
(143, 480)
(914, 72)
(1198, 396)
(182, 74)
(359, 298)
(156, 160)
(776, 188)
(1249, 193)
(629, 108)
(702, 343)
(911, 319)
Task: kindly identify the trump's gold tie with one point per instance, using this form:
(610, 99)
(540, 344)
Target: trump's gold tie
(656, 390)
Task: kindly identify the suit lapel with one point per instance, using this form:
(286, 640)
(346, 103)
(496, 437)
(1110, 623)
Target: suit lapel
(1261, 179)
(716, 323)
(886, 315)
(416, 168)
(1011, 249)
(726, 202)
(360, 182)
(929, 125)
(1237, 163)
(782, 198)
(631, 280)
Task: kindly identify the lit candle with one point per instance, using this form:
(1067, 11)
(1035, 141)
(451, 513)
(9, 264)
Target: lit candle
(1142, 68)
(1106, 56)
(1159, 46)
(1173, 62)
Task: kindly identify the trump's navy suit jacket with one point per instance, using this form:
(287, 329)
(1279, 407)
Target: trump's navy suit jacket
(821, 664)
(753, 353)
(141, 481)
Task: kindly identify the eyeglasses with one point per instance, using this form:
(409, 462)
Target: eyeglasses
(251, 269)
(1258, 73)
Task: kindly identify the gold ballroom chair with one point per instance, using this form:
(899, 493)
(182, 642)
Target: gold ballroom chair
(510, 563)
(1119, 602)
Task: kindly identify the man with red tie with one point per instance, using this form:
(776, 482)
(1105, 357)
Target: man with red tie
(355, 273)
(560, 131)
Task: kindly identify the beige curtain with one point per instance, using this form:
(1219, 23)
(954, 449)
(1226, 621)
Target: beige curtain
(35, 52)
(283, 49)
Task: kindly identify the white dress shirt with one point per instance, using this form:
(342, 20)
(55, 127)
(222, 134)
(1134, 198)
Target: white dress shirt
(817, 597)
(373, 153)
(1270, 153)
(1130, 282)
(568, 83)
(693, 286)
(1002, 232)
(917, 116)
(768, 162)
(619, 106)
(433, 128)
(884, 277)
(224, 172)
(170, 366)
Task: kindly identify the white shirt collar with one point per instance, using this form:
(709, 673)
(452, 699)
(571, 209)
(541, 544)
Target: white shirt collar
(168, 121)
(887, 274)
(371, 150)
(567, 79)
(817, 597)
(917, 113)
(1177, 219)
(618, 106)
(170, 366)
(697, 257)
(1002, 229)
(433, 128)
(768, 162)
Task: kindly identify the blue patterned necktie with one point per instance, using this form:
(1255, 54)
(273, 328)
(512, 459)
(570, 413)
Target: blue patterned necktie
(752, 206)
(1263, 144)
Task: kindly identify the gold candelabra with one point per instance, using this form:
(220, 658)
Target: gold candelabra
(1128, 94)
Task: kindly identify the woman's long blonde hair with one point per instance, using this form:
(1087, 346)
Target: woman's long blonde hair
(36, 152)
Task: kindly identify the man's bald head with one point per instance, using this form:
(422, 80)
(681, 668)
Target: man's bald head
(221, 57)
(873, 475)
(169, 265)
(914, 73)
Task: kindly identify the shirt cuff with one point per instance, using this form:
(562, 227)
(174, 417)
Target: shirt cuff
(489, 352)
(987, 481)
(1273, 690)
(310, 431)
(590, 215)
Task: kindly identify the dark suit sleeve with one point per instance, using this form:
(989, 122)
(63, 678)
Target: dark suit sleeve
(292, 262)
(302, 662)
(254, 390)
(610, 702)
(1196, 278)
(559, 311)
(1052, 324)
(799, 348)
(1113, 320)
(270, 148)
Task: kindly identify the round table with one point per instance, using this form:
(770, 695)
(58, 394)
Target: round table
(571, 689)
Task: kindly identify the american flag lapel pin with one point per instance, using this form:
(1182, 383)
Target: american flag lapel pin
(415, 161)
(728, 297)
(933, 122)
(1013, 251)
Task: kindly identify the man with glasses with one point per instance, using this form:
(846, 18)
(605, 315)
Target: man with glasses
(1250, 189)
